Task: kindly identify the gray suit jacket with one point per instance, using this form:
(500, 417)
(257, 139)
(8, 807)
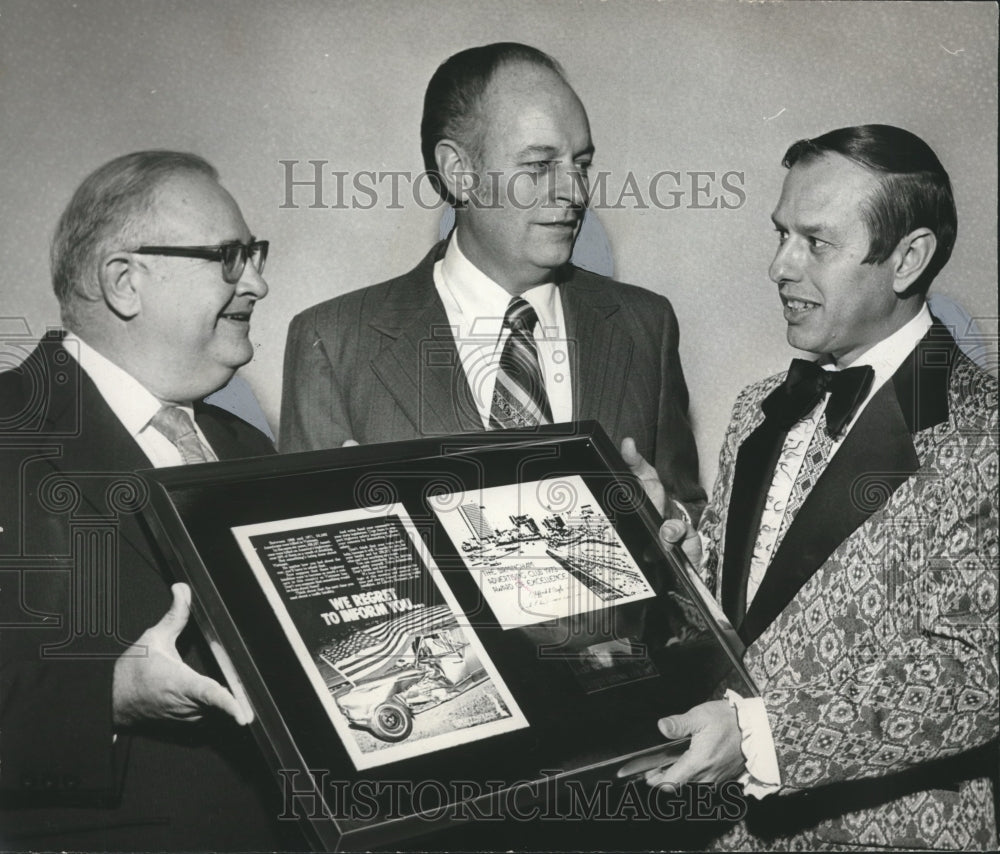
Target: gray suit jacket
(380, 364)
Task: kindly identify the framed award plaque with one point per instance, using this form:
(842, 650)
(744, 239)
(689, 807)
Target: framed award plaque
(437, 630)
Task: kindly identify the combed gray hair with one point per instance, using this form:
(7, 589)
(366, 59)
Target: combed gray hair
(104, 214)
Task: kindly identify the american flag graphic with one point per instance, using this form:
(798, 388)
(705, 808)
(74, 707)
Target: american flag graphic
(369, 650)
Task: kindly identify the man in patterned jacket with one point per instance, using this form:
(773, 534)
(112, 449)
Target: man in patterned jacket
(852, 533)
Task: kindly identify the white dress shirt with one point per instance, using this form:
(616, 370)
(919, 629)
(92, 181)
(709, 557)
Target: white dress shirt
(885, 358)
(476, 305)
(131, 402)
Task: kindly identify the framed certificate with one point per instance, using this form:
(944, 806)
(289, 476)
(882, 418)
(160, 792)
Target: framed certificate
(428, 629)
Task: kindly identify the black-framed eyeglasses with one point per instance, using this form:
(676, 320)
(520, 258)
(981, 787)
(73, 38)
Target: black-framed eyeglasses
(232, 255)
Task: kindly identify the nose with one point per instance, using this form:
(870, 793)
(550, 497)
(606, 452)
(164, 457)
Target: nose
(251, 283)
(786, 266)
(572, 185)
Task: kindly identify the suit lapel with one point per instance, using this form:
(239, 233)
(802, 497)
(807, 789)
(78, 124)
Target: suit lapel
(877, 458)
(421, 370)
(97, 447)
(419, 366)
(755, 464)
(922, 382)
(600, 352)
(99, 441)
(223, 436)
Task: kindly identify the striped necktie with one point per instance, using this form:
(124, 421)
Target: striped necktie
(174, 423)
(519, 398)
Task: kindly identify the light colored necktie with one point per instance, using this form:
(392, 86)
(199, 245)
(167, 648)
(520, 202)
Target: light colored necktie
(813, 464)
(174, 423)
(519, 398)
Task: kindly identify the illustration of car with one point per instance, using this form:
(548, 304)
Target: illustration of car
(438, 668)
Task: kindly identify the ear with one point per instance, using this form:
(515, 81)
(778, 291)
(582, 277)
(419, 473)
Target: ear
(117, 276)
(456, 169)
(912, 255)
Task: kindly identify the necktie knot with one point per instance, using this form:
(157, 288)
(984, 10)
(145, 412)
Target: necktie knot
(807, 383)
(174, 423)
(520, 316)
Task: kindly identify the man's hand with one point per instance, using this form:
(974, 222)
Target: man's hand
(647, 475)
(715, 754)
(151, 682)
(677, 532)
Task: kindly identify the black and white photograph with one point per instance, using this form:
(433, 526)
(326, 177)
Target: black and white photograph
(400, 670)
(755, 241)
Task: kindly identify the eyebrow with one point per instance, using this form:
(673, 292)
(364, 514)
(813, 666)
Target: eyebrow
(802, 229)
(549, 151)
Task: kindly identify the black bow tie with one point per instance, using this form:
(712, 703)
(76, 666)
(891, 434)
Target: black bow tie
(805, 386)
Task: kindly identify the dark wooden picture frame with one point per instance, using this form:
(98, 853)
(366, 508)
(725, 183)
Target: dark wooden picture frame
(583, 718)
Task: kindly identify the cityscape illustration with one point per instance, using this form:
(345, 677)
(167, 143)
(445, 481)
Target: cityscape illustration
(583, 543)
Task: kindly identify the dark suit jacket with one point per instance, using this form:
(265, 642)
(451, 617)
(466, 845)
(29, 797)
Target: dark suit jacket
(81, 579)
(380, 365)
(873, 636)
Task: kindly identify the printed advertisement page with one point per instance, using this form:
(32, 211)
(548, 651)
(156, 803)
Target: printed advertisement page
(388, 650)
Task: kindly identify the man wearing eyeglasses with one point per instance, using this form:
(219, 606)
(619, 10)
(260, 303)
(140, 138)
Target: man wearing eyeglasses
(157, 277)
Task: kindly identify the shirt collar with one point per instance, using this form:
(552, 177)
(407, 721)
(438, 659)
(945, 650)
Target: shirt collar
(887, 355)
(129, 399)
(479, 298)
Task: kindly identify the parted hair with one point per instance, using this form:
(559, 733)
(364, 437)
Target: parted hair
(106, 213)
(913, 191)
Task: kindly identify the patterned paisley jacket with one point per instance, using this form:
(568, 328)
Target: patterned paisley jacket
(874, 636)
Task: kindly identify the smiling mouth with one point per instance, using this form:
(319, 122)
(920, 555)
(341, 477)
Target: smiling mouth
(236, 316)
(797, 307)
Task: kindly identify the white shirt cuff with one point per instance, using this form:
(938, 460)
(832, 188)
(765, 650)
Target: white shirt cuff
(679, 512)
(762, 776)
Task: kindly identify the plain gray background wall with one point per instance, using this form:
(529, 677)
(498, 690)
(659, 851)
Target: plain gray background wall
(683, 86)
